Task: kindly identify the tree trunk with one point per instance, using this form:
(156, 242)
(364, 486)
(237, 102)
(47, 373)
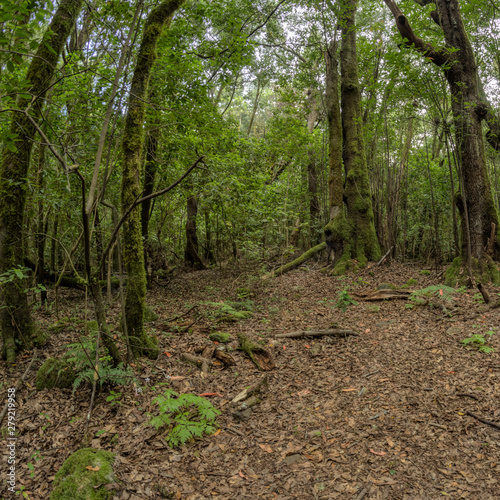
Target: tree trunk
(191, 256)
(335, 231)
(359, 239)
(133, 142)
(457, 59)
(15, 319)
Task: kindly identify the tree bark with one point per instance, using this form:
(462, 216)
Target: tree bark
(459, 67)
(15, 319)
(191, 256)
(357, 238)
(133, 143)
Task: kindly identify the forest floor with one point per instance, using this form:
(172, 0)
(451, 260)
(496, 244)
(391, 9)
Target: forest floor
(381, 415)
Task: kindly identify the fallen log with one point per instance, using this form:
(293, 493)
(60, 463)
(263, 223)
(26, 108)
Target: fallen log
(202, 363)
(295, 263)
(250, 390)
(261, 358)
(316, 333)
(225, 357)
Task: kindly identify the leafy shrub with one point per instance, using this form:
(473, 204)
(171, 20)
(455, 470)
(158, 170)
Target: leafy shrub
(186, 416)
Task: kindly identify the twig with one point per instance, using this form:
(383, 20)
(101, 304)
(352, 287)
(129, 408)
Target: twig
(18, 385)
(465, 395)
(384, 257)
(169, 320)
(483, 420)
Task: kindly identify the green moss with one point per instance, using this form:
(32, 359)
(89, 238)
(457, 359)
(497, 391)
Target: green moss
(221, 337)
(484, 271)
(425, 272)
(55, 373)
(412, 282)
(149, 315)
(76, 482)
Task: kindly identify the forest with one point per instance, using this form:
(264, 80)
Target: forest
(250, 249)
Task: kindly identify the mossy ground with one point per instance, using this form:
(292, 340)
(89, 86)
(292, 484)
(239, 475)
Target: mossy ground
(76, 482)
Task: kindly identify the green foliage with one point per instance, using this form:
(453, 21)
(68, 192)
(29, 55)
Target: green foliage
(114, 398)
(185, 416)
(81, 357)
(344, 300)
(441, 291)
(479, 341)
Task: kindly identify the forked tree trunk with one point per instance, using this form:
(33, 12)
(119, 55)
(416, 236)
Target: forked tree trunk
(358, 237)
(133, 143)
(18, 329)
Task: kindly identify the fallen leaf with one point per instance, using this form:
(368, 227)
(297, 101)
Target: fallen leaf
(168, 354)
(350, 389)
(307, 346)
(217, 432)
(210, 394)
(177, 377)
(266, 447)
(95, 469)
(379, 453)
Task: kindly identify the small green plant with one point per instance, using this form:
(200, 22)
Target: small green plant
(479, 342)
(186, 416)
(344, 300)
(373, 308)
(478, 298)
(22, 492)
(425, 272)
(36, 456)
(114, 398)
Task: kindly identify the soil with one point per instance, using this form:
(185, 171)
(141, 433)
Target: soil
(387, 414)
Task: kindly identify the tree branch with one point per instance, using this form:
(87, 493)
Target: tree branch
(138, 202)
(438, 56)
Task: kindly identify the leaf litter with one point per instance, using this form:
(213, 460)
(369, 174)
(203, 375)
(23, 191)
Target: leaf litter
(383, 415)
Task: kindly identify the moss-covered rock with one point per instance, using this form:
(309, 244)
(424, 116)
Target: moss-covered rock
(221, 337)
(55, 373)
(76, 482)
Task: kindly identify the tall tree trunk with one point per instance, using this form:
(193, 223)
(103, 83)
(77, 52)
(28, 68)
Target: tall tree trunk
(41, 226)
(191, 256)
(133, 143)
(335, 231)
(16, 324)
(359, 237)
(457, 60)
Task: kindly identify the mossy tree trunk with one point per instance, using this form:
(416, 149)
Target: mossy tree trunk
(460, 69)
(16, 324)
(335, 231)
(358, 237)
(133, 143)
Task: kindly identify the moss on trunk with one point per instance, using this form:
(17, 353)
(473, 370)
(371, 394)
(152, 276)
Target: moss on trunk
(17, 327)
(133, 144)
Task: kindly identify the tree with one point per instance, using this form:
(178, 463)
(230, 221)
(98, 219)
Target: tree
(133, 143)
(458, 63)
(18, 329)
(353, 235)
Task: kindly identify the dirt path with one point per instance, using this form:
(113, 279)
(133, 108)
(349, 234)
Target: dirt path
(380, 415)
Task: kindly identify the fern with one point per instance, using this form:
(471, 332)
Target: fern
(186, 416)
